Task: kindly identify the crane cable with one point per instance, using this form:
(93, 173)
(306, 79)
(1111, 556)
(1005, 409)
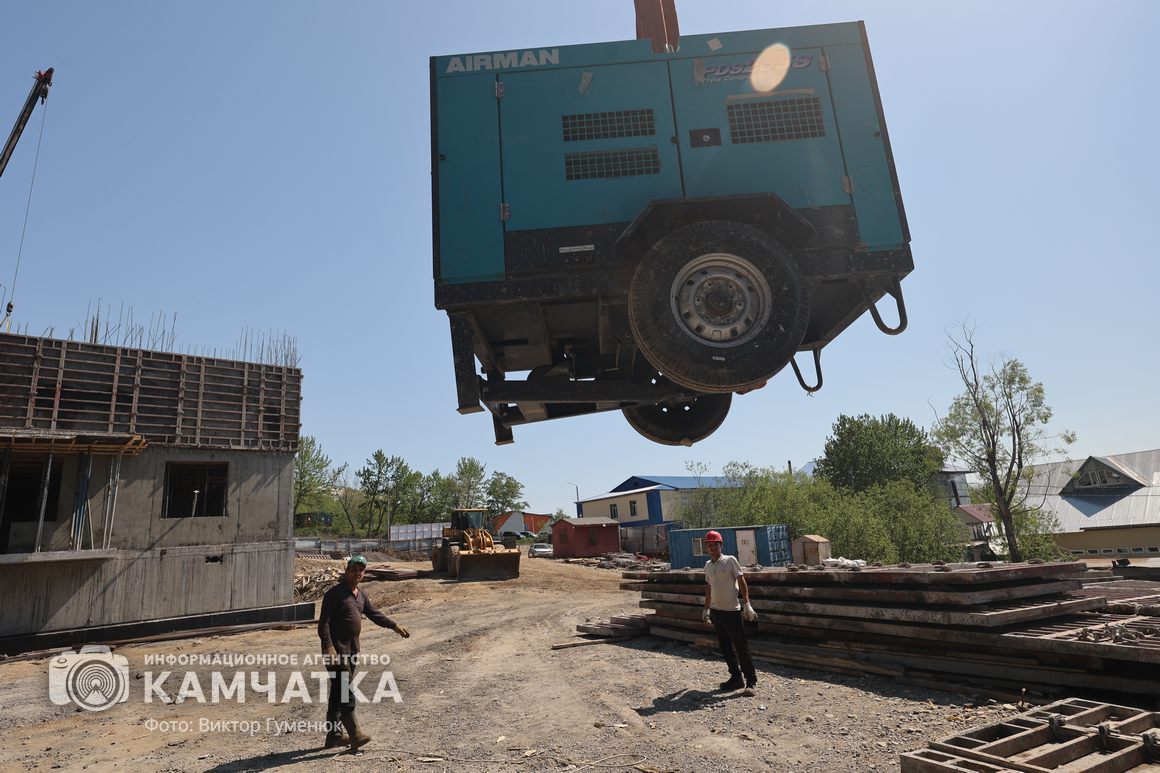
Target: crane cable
(6, 322)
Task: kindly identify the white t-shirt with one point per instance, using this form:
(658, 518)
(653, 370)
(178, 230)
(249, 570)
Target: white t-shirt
(722, 577)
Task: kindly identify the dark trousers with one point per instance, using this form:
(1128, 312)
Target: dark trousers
(337, 702)
(734, 644)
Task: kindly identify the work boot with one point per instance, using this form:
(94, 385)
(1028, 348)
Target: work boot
(357, 737)
(334, 735)
(734, 683)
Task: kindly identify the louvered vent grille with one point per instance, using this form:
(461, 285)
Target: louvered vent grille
(604, 126)
(776, 120)
(627, 162)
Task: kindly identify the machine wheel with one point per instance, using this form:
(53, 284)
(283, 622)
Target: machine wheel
(718, 306)
(453, 561)
(438, 560)
(681, 423)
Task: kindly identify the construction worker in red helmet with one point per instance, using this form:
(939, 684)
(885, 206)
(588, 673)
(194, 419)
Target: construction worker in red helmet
(724, 582)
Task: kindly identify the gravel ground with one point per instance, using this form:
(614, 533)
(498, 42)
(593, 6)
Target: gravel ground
(482, 690)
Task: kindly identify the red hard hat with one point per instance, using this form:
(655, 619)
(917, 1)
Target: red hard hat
(713, 536)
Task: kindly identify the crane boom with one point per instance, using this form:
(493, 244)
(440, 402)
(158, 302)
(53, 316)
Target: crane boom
(39, 92)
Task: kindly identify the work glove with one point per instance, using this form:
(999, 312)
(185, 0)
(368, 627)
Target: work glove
(705, 615)
(748, 612)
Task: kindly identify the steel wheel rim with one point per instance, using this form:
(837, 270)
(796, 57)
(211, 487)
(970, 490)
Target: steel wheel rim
(720, 299)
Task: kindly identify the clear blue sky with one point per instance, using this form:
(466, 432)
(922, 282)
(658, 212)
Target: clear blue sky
(265, 165)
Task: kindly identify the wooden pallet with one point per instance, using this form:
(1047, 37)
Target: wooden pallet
(1046, 741)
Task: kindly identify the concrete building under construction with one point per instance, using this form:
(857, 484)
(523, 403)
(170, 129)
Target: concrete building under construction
(140, 488)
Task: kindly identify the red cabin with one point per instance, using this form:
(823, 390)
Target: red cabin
(585, 537)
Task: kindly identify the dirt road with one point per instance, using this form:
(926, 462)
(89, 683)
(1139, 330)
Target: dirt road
(481, 690)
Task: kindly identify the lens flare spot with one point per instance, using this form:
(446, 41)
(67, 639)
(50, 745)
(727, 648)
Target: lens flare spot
(771, 67)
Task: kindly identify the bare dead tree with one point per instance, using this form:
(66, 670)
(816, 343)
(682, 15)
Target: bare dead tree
(998, 426)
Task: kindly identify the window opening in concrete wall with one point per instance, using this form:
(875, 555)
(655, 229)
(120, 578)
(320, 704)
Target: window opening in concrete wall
(22, 495)
(195, 489)
(632, 508)
(613, 510)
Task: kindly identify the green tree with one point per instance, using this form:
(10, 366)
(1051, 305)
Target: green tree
(918, 524)
(997, 426)
(1034, 527)
(351, 503)
(865, 451)
(469, 476)
(503, 494)
(386, 484)
(890, 522)
(853, 531)
(438, 494)
(315, 477)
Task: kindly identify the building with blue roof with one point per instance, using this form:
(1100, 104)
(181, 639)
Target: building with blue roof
(647, 500)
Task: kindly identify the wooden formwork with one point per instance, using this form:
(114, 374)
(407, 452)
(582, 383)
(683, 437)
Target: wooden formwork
(1010, 628)
(52, 386)
(1069, 736)
(909, 575)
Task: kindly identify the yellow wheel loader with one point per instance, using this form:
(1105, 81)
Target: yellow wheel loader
(467, 550)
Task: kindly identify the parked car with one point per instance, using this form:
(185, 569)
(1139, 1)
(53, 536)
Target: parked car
(541, 550)
(527, 535)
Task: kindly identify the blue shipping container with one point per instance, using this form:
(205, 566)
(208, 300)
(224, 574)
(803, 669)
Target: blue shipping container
(767, 545)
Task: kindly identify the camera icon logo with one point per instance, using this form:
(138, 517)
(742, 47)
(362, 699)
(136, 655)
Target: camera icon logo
(93, 678)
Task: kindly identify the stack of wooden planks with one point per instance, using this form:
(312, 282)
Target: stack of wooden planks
(1072, 735)
(1000, 629)
(619, 625)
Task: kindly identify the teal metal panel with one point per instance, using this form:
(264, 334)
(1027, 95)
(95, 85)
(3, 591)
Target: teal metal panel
(470, 229)
(535, 149)
(806, 171)
(864, 145)
(625, 51)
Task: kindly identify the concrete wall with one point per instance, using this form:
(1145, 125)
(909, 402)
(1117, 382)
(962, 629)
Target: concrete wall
(159, 567)
(54, 595)
(258, 502)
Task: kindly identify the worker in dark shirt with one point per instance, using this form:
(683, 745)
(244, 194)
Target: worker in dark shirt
(339, 626)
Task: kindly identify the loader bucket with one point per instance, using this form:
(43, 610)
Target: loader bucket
(489, 566)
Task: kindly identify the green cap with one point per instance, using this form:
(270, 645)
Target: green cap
(356, 559)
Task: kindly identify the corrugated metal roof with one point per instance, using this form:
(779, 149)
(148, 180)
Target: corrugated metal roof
(980, 513)
(615, 494)
(675, 482)
(1140, 507)
(1122, 468)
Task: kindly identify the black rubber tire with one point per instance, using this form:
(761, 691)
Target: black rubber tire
(680, 424)
(438, 559)
(453, 561)
(676, 349)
